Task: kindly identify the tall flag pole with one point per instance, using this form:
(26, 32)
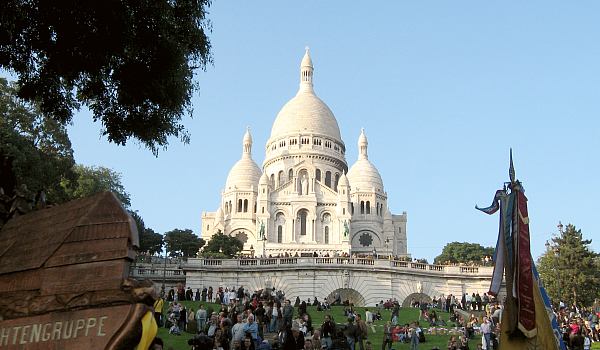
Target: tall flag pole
(527, 322)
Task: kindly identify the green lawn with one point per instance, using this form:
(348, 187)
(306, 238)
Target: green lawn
(407, 315)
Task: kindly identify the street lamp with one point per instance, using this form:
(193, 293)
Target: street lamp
(163, 288)
(555, 254)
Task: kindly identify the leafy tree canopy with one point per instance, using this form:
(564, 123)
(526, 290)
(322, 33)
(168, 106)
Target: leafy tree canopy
(222, 246)
(463, 252)
(34, 151)
(569, 269)
(130, 62)
(183, 243)
(151, 242)
(94, 179)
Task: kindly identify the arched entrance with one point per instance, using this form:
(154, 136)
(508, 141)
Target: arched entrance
(420, 297)
(349, 294)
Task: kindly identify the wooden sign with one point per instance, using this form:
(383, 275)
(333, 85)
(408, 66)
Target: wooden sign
(64, 278)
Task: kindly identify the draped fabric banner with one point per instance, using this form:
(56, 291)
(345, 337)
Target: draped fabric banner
(524, 274)
(527, 321)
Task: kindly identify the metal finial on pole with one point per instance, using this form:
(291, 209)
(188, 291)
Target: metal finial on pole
(511, 169)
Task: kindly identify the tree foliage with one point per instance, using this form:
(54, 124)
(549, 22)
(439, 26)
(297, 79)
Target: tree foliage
(463, 252)
(130, 62)
(94, 179)
(34, 151)
(151, 242)
(221, 245)
(183, 243)
(569, 269)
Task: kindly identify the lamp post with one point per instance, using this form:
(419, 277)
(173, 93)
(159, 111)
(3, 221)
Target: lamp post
(163, 288)
(555, 254)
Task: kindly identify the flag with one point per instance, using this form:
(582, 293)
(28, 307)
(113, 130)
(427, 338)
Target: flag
(527, 320)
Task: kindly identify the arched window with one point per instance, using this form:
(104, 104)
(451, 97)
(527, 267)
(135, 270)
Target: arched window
(335, 184)
(318, 174)
(328, 179)
(280, 178)
(377, 208)
(239, 207)
(368, 207)
(263, 210)
(245, 205)
(290, 175)
(326, 234)
(302, 218)
(279, 234)
(272, 180)
(362, 207)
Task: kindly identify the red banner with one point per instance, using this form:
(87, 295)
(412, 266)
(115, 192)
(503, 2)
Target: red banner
(524, 271)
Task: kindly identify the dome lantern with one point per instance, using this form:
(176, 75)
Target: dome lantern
(306, 72)
(362, 145)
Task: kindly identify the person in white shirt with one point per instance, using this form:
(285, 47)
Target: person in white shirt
(369, 319)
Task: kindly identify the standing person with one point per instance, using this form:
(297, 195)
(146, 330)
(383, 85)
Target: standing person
(327, 331)
(387, 336)
(237, 331)
(192, 326)
(369, 319)
(201, 316)
(414, 337)
(260, 313)
(251, 327)
(276, 317)
(350, 333)
(203, 294)
(395, 313)
(158, 309)
(486, 331)
(362, 332)
(288, 313)
(182, 318)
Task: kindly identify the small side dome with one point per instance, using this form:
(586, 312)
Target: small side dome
(264, 179)
(363, 175)
(245, 174)
(343, 181)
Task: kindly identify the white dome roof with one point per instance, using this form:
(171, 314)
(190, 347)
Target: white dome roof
(363, 176)
(306, 113)
(245, 173)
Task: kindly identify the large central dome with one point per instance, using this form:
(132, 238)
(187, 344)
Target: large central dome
(306, 113)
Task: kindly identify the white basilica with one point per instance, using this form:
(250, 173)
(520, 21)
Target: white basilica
(305, 200)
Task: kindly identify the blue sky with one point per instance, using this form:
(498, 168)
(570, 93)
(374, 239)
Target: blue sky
(443, 90)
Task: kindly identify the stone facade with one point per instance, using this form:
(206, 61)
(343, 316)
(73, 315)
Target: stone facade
(365, 281)
(305, 199)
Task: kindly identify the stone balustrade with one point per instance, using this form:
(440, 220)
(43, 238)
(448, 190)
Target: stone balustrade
(333, 262)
